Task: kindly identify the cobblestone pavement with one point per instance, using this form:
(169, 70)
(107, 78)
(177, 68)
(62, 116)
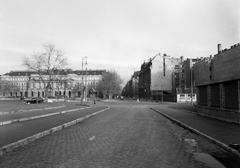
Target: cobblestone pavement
(124, 136)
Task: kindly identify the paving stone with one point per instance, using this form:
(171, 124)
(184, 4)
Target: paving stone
(120, 137)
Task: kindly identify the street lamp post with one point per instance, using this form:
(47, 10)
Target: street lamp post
(82, 95)
(86, 92)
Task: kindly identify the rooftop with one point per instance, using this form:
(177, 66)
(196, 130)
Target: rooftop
(57, 72)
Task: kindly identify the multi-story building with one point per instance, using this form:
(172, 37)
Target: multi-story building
(126, 90)
(165, 77)
(135, 80)
(63, 83)
(157, 77)
(184, 78)
(217, 80)
(186, 75)
(144, 82)
(163, 80)
(131, 88)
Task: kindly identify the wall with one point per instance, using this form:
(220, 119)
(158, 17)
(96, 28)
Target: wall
(226, 65)
(145, 80)
(162, 73)
(221, 114)
(218, 83)
(202, 72)
(159, 79)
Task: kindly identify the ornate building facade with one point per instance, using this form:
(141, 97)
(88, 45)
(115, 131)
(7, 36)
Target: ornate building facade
(63, 83)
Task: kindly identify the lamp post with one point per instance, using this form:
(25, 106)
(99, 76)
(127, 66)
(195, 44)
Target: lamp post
(82, 95)
(86, 83)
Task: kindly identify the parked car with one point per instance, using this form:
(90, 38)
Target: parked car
(33, 100)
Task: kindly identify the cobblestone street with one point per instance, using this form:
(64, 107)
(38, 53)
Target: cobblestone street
(124, 136)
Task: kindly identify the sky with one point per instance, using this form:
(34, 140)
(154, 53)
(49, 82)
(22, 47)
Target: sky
(116, 34)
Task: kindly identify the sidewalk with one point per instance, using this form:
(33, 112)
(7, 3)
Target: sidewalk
(227, 133)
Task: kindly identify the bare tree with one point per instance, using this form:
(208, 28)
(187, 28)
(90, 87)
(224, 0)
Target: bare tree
(110, 84)
(44, 63)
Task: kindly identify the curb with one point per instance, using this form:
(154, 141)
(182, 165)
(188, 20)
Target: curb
(220, 144)
(46, 108)
(40, 116)
(9, 147)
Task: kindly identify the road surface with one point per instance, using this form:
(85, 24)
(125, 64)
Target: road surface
(129, 134)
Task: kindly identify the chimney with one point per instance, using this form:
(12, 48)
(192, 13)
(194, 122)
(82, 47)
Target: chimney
(219, 48)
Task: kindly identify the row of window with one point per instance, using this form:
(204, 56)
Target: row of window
(54, 84)
(61, 85)
(27, 79)
(16, 79)
(24, 78)
(88, 78)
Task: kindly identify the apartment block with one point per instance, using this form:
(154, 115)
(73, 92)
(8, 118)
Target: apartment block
(157, 78)
(165, 78)
(163, 81)
(131, 88)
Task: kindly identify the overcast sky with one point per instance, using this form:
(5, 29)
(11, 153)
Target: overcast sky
(116, 34)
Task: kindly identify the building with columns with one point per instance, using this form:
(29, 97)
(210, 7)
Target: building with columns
(64, 83)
